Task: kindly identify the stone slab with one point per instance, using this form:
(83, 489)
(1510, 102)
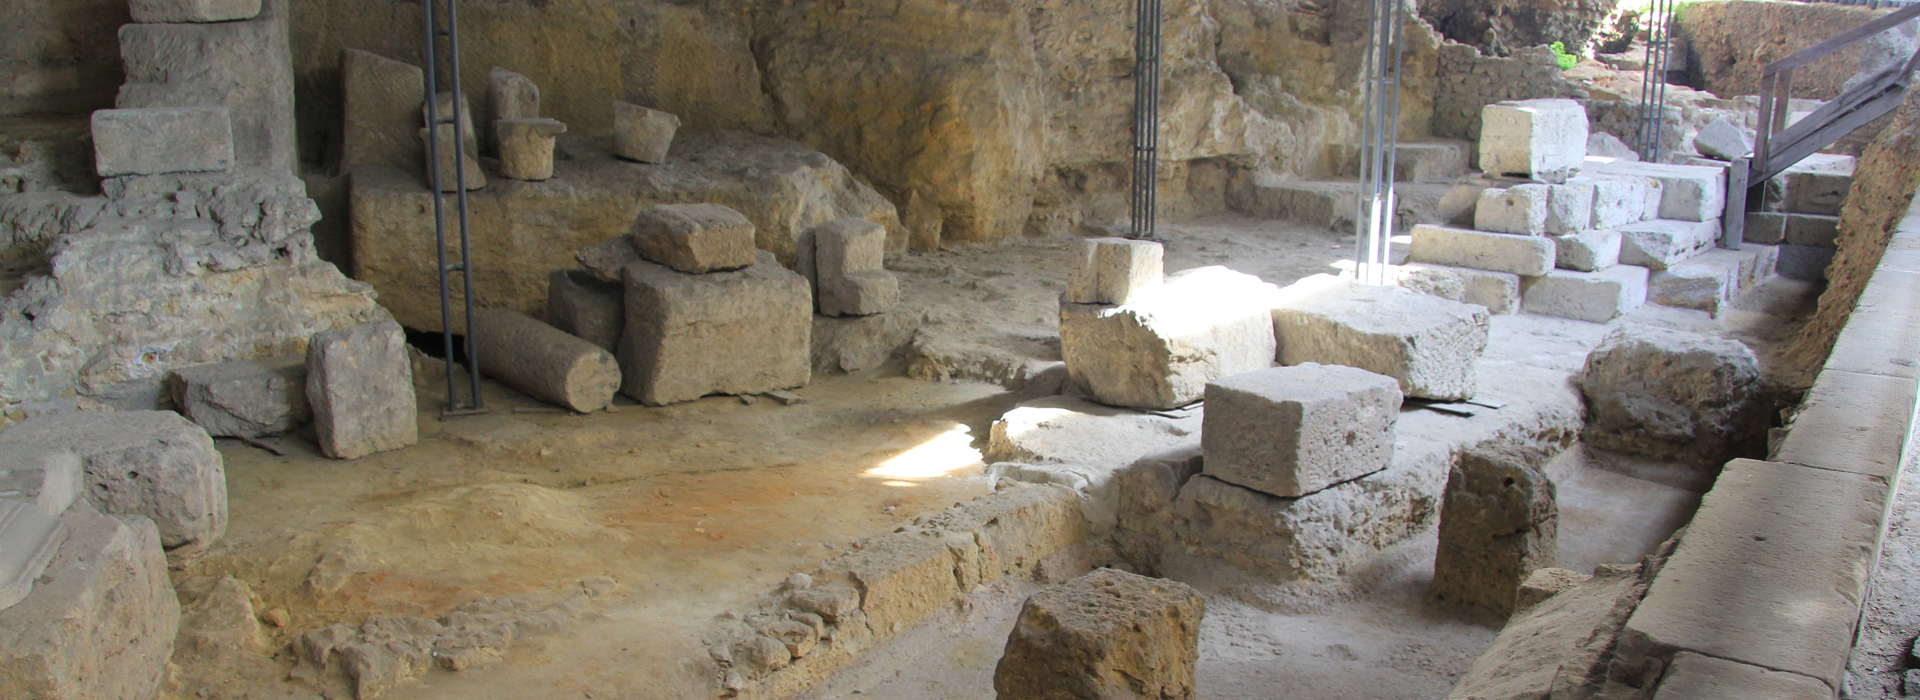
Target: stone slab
(1562, 644)
(694, 238)
(154, 464)
(1803, 262)
(1687, 192)
(849, 268)
(542, 361)
(244, 398)
(1498, 291)
(1520, 209)
(1883, 332)
(642, 134)
(1695, 677)
(360, 384)
(1105, 635)
(1772, 572)
(1658, 243)
(1291, 431)
(688, 335)
(167, 11)
(1587, 251)
(1444, 245)
(1161, 349)
(1596, 297)
(1430, 345)
(1851, 422)
(159, 140)
(1542, 139)
(591, 309)
(1111, 270)
(381, 101)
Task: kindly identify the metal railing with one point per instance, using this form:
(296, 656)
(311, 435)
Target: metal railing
(430, 27)
(1380, 140)
(1778, 146)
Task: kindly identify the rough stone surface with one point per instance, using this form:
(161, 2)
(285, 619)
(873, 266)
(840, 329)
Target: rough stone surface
(1597, 297)
(642, 134)
(100, 622)
(542, 361)
(454, 163)
(1106, 635)
(51, 479)
(1111, 270)
(1587, 251)
(1771, 572)
(1541, 139)
(1444, 245)
(1560, 647)
(1601, 144)
(1659, 243)
(1616, 201)
(1160, 350)
(591, 309)
(360, 383)
(381, 102)
(244, 398)
(1804, 262)
(849, 268)
(245, 66)
(1520, 209)
(1667, 393)
(1498, 291)
(1543, 584)
(688, 335)
(1291, 431)
(1687, 192)
(1722, 140)
(162, 140)
(511, 96)
(1696, 677)
(1499, 521)
(163, 11)
(1821, 193)
(142, 463)
(526, 147)
(605, 260)
(1430, 345)
(694, 238)
(1569, 208)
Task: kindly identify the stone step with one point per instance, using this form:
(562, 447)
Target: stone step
(1416, 161)
(1816, 178)
(1662, 243)
(1334, 203)
(1595, 297)
(1709, 280)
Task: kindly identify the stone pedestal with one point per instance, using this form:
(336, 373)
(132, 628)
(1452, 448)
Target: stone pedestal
(526, 147)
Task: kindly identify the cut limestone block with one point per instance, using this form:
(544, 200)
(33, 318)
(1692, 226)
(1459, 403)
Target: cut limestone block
(1765, 228)
(245, 66)
(1672, 394)
(1658, 243)
(1161, 349)
(1587, 251)
(642, 134)
(1687, 192)
(1111, 270)
(1812, 230)
(28, 538)
(142, 463)
(512, 96)
(608, 259)
(1802, 262)
(1817, 192)
(1107, 635)
(1722, 140)
(1850, 422)
(1697, 677)
(1520, 209)
(168, 11)
(542, 361)
(1569, 208)
(1498, 291)
(1563, 643)
(1430, 345)
(1772, 572)
(244, 398)
(360, 383)
(694, 238)
(591, 309)
(162, 140)
(1499, 252)
(1596, 297)
(1616, 201)
(50, 479)
(1691, 286)
(1291, 431)
(453, 162)
(381, 105)
(849, 265)
(1498, 522)
(1542, 139)
(526, 147)
(690, 335)
(100, 623)
(1601, 144)
(1652, 191)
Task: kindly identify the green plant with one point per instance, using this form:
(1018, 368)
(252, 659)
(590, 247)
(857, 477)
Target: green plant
(1560, 56)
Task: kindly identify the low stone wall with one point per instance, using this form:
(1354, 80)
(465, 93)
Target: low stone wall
(1468, 81)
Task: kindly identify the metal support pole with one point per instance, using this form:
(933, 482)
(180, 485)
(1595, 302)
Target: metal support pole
(1143, 196)
(1653, 80)
(1380, 140)
(430, 27)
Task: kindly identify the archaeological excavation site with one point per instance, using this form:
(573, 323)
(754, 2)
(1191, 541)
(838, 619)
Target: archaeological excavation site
(959, 349)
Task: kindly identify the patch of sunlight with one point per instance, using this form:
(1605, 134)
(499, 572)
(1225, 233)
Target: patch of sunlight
(943, 455)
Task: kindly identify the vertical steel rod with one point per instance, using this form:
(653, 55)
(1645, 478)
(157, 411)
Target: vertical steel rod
(1379, 143)
(431, 57)
(476, 403)
(1143, 195)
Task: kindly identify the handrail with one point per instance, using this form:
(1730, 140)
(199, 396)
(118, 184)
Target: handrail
(1774, 141)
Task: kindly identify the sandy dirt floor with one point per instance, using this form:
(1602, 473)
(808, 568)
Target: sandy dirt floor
(693, 510)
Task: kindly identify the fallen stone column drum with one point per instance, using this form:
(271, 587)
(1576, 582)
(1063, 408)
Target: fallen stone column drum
(543, 361)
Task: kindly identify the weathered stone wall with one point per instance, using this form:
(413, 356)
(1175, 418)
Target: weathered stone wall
(1500, 27)
(1466, 81)
(59, 56)
(1731, 41)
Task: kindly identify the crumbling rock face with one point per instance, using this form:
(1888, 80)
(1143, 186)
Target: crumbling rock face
(1730, 43)
(1498, 27)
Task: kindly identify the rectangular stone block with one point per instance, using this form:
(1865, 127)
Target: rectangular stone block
(1542, 139)
(1772, 572)
(1883, 332)
(1111, 270)
(591, 309)
(1291, 431)
(152, 464)
(380, 102)
(162, 140)
(456, 167)
(1687, 192)
(1520, 209)
(1161, 349)
(1587, 251)
(244, 398)
(1695, 677)
(1816, 192)
(1691, 286)
(28, 538)
(1659, 243)
(1597, 297)
(1765, 228)
(1802, 262)
(1108, 635)
(694, 238)
(1851, 422)
(642, 134)
(1616, 201)
(849, 265)
(526, 147)
(1651, 189)
(360, 384)
(1499, 252)
(1430, 345)
(167, 11)
(244, 65)
(1812, 230)
(1498, 291)
(1499, 521)
(1569, 208)
(690, 335)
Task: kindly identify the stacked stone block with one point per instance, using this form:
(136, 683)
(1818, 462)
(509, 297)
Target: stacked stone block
(1429, 345)
(850, 276)
(1291, 431)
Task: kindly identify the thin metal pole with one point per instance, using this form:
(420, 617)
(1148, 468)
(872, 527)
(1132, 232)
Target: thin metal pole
(431, 56)
(1379, 146)
(460, 178)
(1143, 195)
